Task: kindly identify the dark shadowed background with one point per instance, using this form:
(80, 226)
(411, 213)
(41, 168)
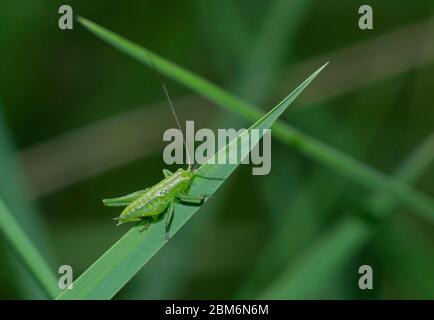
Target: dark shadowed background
(80, 121)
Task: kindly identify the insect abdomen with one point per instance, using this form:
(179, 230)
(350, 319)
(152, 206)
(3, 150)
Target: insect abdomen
(149, 204)
(158, 198)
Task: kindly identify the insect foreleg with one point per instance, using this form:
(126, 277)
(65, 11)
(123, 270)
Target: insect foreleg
(193, 198)
(145, 223)
(167, 173)
(124, 200)
(169, 219)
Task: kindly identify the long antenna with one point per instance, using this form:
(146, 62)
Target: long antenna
(172, 107)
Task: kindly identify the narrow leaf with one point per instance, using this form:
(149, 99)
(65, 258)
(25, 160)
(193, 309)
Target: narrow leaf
(337, 246)
(122, 261)
(14, 192)
(24, 249)
(353, 169)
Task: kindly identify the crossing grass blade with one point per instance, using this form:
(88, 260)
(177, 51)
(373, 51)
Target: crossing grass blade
(351, 168)
(14, 194)
(301, 219)
(316, 263)
(122, 261)
(339, 244)
(24, 249)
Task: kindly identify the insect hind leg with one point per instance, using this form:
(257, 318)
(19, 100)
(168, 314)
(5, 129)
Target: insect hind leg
(124, 200)
(167, 173)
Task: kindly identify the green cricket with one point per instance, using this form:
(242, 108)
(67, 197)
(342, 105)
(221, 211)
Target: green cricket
(147, 206)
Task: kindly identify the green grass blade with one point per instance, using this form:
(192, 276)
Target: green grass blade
(405, 253)
(167, 275)
(310, 146)
(300, 279)
(26, 251)
(294, 230)
(259, 67)
(421, 158)
(14, 192)
(122, 261)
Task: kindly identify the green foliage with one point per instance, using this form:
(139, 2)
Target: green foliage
(26, 251)
(309, 221)
(14, 195)
(121, 262)
(335, 249)
(344, 164)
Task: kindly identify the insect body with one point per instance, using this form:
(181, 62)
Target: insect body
(147, 205)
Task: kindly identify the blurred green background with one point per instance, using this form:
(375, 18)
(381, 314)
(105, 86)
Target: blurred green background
(79, 121)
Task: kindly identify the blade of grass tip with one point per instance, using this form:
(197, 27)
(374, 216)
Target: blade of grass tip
(122, 261)
(357, 171)
(280, 25)
(296, 231)
(26, 251)
(338, 245)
